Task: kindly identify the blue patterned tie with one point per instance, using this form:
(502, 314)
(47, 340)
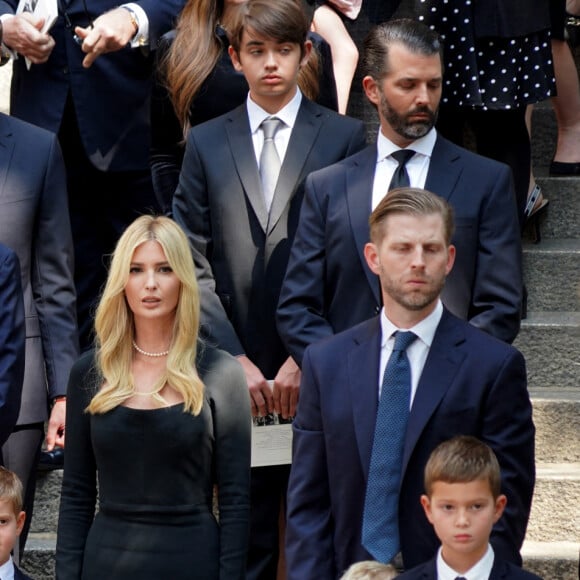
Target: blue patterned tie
(380, 532)
(401, 177)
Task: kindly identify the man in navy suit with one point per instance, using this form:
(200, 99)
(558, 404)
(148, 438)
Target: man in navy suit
(462, 381)
(90, 82)
(241, 237)
(12, 335)
(327, 269)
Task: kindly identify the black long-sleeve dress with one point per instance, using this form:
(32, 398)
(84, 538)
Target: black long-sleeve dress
(223, 90)
(156, 472)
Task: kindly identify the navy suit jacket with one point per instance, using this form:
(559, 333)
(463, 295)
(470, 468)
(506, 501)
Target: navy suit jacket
(500, 570)
(240, 250)
(328, 286)
(12, 332)
(111, 98)
(471, 384)
(20, 575)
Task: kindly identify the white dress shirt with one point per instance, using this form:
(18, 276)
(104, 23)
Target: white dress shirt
(286, 114)
(417, 351)
(7, 570)
(417, 167)
(480, 571)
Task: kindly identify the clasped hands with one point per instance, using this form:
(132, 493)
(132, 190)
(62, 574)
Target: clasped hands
(110, 32)
(283, 398)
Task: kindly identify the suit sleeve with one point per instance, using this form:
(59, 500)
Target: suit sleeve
(301, 310)
(309, 529)
(191, 210)
(161, 16)
(52, 276)
(79, 484)
(497, 289)
(507, 427)
(231, 416)
(12, 343)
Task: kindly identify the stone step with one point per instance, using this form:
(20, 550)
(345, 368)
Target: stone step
(46, 502)
(551, 560)
(562, 217)
(550, 342)
(557, 420)
(552, 274)
(544, 134)
(555, 506)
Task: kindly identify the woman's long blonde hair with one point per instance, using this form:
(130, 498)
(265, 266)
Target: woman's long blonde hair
(114, 325)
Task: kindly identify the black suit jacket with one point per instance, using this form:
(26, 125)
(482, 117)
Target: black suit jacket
(12, 333)
(501, 570)
(328, 286)
(471, 384)
(20, 575)
(111, 98)
(240, 250)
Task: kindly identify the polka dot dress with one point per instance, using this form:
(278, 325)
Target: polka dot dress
(488, 73)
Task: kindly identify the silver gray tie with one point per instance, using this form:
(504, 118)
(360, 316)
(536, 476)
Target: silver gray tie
(269, 159)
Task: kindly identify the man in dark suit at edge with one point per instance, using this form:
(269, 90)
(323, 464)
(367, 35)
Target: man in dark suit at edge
(459, 380)
(241, 221)
(328, 286)
(89, 81)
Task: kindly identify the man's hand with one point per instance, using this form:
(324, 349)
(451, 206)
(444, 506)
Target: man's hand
(286, 388)
(111, 31)
(22, 34)
(56, 422)
(260, 391)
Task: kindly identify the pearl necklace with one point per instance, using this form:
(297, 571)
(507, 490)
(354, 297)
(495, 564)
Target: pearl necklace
(151, 354)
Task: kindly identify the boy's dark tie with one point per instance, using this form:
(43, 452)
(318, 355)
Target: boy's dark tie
(380, 532)
(401, 177)
(269, 159)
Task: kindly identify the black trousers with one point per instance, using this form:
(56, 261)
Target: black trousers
(101, 205)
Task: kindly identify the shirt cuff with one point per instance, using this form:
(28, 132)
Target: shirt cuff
(142, 36)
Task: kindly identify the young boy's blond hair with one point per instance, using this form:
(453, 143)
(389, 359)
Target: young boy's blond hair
(11, 489)
(463, 459)
(369, 570)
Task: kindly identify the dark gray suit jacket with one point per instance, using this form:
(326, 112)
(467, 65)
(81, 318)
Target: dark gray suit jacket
(34, 222)
(240, 251)
(328, 285)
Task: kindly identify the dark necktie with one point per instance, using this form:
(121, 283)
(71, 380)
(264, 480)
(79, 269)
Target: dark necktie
(401, 177)
(269, 159)
(380, 532)
(461, 578)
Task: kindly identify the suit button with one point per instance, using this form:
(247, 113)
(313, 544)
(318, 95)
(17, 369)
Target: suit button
(65, 70)
(377, 309)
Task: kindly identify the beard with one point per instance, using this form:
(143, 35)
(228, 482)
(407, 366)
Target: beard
(417, 300)
(401, 124)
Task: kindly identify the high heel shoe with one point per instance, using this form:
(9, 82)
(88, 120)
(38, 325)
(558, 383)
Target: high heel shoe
(535, 206)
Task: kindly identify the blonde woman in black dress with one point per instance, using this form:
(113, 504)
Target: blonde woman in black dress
(157, 420)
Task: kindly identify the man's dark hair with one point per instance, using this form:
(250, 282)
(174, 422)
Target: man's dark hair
(414, 36)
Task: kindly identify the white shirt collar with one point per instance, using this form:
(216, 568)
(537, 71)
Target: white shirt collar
(480, 571)
(286, 114)
(425, 329)
(7, 570)
(423, 145)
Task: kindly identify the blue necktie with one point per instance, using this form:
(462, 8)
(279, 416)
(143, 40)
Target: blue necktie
(401, 177)
(380, 532)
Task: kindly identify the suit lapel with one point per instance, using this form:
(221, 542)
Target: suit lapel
(363, 380)
(444, 168)
(240, 139)
(359, 192)
(442, 364)
(6, 150)
(304, 134)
